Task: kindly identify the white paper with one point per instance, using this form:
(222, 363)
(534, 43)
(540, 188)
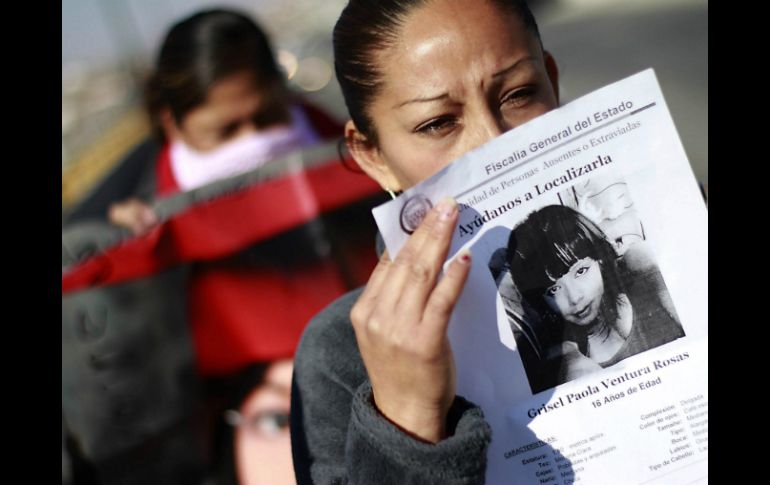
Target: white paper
(615, 157)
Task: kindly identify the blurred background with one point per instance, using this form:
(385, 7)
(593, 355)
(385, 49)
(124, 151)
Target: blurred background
(109, 45)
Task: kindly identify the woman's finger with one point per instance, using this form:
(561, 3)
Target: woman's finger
(425, 269)
(365, 304)
(442, 300)
(408, 266)
(411, 271)
(416, 272)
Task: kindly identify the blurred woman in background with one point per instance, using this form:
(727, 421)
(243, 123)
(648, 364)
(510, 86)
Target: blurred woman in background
(219, 106)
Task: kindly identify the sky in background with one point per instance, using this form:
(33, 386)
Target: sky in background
(104, 31)
(595, 42)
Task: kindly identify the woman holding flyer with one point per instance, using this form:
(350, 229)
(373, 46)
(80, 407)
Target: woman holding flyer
(598, 308)
(374, 384)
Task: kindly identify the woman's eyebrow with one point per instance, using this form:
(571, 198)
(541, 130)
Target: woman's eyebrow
(513, 66)
(502, 72)
(423, 100)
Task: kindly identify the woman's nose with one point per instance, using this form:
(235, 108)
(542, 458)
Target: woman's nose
(248, 127)
(574, 295)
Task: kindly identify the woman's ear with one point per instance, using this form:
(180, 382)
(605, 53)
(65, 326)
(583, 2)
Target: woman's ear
(369, 158)
(553, 72)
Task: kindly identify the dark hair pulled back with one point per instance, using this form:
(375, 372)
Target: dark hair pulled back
(366, 27)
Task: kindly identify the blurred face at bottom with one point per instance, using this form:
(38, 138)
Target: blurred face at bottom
(262, 443)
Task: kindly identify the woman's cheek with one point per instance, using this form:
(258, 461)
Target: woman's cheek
(413, 161)
(264, 461)
(553, 304)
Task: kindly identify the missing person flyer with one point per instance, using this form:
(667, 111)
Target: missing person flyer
(582, 331)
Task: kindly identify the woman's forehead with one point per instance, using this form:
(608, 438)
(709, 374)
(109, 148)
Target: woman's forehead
(455, 40)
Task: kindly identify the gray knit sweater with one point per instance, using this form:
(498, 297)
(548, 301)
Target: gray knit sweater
(338, 436)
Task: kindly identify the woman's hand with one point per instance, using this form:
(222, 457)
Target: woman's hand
(132, 214)
(400, 322)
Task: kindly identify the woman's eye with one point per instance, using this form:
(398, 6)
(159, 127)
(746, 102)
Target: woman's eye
(582, 270)
(517, 97)
(269, 423)
(552, 291)
(436, 126)
(228, 131)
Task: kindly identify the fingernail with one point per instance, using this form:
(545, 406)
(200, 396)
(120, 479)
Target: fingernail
(446, 207)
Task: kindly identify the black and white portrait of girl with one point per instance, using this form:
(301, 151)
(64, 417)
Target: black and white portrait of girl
(575, 304)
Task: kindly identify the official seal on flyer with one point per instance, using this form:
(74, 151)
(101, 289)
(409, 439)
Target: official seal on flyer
(413, 212)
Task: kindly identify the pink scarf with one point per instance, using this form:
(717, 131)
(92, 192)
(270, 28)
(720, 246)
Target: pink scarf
(193, 169)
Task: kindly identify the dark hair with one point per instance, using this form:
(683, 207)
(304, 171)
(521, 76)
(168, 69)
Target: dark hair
(544, 246)
(368, 26)
(201, 50)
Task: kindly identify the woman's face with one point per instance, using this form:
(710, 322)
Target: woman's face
(230, 110)
(262, 443)
(577, 295)
(460, 74)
